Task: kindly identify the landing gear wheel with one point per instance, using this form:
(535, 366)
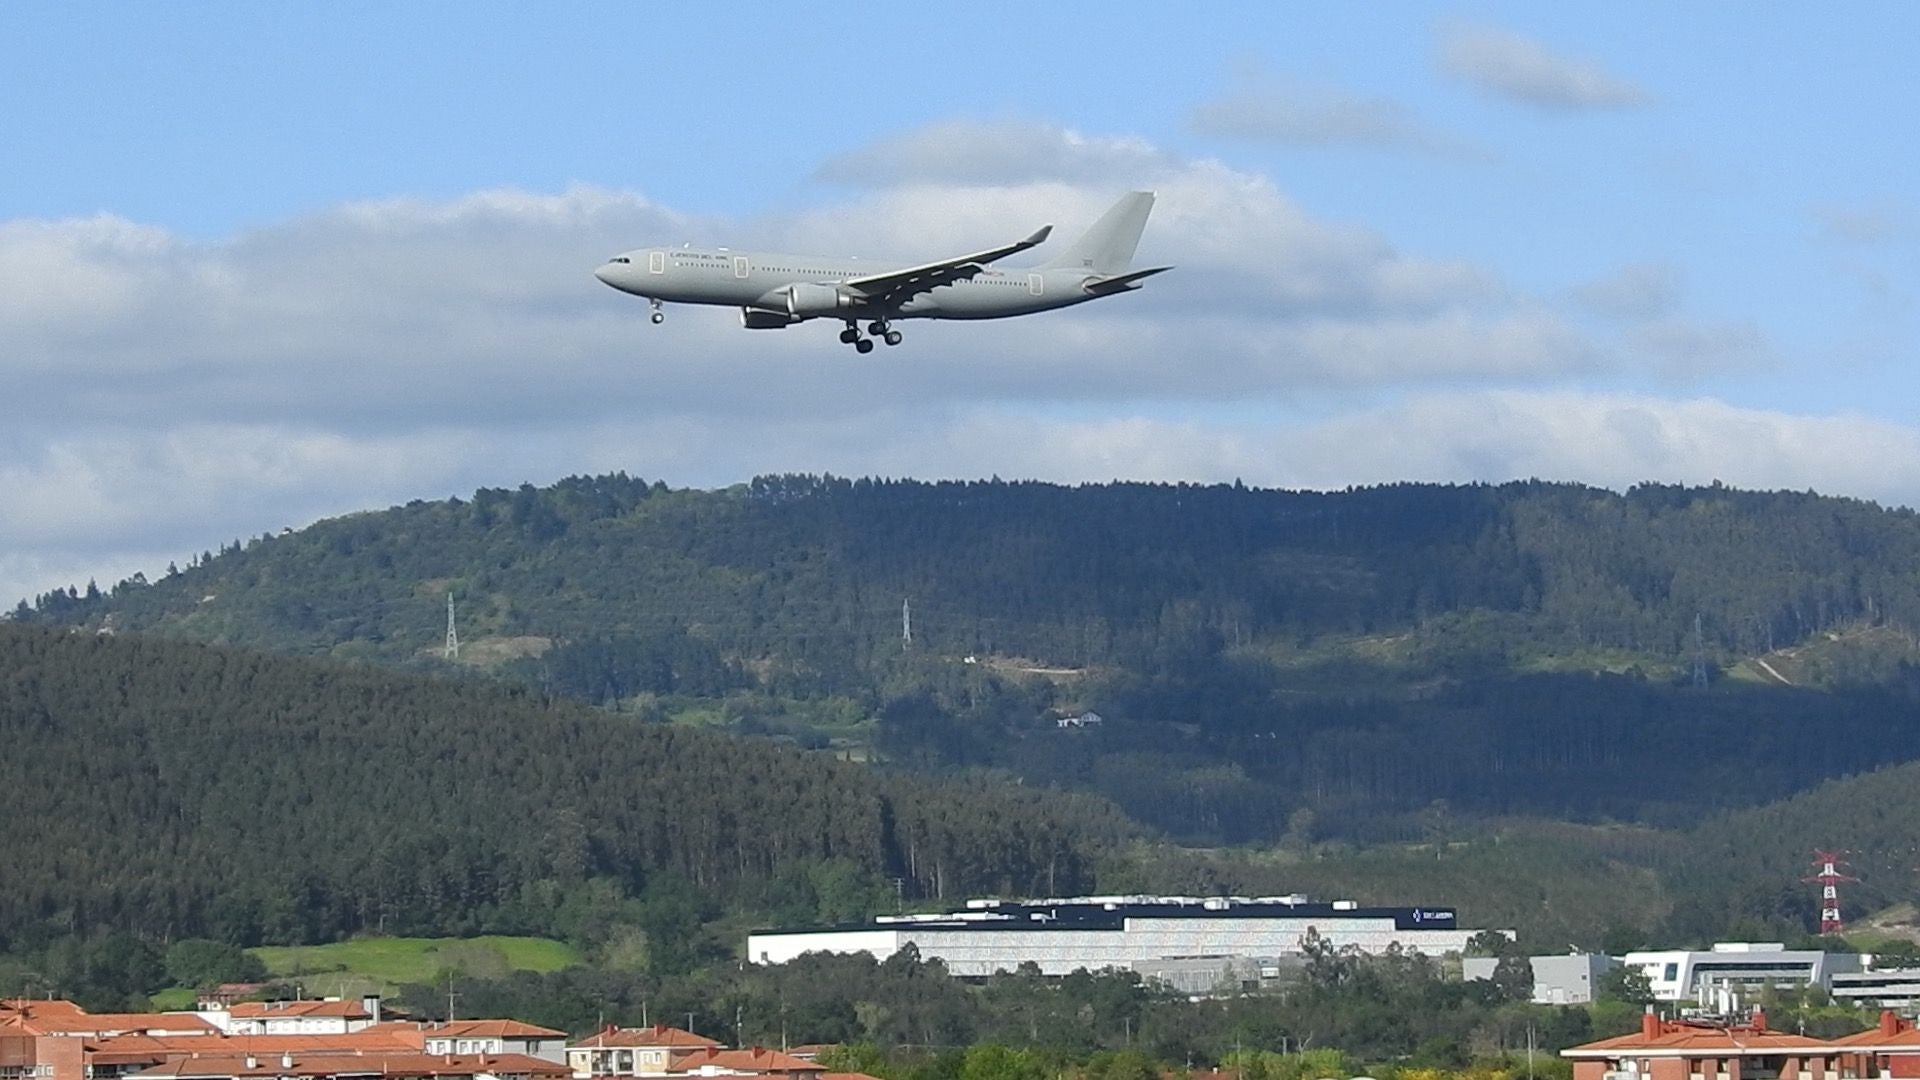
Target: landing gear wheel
(877, 327)
(659, 317)
(850, 335)
(892, 337)
(863, 346)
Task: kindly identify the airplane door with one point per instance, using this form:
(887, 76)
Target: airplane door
(1037, 284)
(740, 266)
(656, 262)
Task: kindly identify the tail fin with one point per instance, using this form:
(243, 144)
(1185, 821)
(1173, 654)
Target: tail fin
(1107, 248)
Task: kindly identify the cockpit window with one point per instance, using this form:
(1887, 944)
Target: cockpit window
(620, 259)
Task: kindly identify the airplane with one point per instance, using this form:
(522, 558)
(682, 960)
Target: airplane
(776, 291)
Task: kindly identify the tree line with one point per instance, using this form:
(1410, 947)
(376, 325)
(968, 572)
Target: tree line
(813, 569)
(904, 1018)
(171, 790)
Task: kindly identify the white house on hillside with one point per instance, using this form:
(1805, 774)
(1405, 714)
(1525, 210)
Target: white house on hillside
(327, 1016)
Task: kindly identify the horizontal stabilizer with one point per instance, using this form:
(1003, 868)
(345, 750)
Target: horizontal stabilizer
(1101, 286)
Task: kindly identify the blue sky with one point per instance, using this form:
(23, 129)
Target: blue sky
(261, 263)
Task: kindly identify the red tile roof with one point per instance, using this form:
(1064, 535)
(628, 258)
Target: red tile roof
(1891, 1033)
(1871, 1039)
(268, 1010)
(489, 1029)
(77, 1022)
(672, 1038)
(1679, 1038)
(756, 1060)
(37, 1007)
(136, 1049)
(366, 1040)
(416, 1033)
(229, 1066)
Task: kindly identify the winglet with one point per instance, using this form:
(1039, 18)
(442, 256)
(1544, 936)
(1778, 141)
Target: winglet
(1038, 237)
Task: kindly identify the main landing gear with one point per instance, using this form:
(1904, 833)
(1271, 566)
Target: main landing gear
(879, 328)
(659, 316)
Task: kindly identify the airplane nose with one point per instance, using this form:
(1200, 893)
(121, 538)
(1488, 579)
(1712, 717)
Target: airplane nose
(605, 273)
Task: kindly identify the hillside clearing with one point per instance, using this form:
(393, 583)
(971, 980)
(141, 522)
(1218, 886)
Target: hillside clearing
(381, 965)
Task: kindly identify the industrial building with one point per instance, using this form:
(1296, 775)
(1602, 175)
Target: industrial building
(1572, 979)
(1888, 988)
(1129, 933)
(1734, 972)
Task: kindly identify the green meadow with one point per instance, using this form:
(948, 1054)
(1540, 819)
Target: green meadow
(382, 965)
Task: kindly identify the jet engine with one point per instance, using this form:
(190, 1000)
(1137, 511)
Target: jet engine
(807, 298)
(756, 319)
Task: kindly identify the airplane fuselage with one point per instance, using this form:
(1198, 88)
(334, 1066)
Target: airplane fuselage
(763, 281)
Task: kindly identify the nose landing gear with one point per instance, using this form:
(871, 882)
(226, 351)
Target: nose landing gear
(659, 316)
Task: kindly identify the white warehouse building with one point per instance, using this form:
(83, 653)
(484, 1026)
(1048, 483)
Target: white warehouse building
(1732, 973)
(1095, 932)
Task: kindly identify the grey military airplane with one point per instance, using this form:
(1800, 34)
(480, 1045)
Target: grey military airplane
(777, 291)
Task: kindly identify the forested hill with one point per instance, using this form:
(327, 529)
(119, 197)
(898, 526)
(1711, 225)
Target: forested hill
(1752, 861)
(816, 570)
(178, 790)
(1360, 655)
(173, 790)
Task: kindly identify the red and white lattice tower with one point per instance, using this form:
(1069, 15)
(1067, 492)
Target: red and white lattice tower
(1828, 864)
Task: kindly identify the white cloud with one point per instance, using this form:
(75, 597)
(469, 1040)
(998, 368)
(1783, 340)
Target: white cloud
(167, 484)
(979, 153)
(1607, 439)
(1611, 440)
(374, 316)
(1290, 113)
(1644, 300)
(1635, 294)
(1517, 67)
(139, 503)
(1617, 440)
(1244, 241)
(73, 271)
(1689, 348)
(173, 395)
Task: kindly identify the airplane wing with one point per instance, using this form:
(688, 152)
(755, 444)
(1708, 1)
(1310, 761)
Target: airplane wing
(896, 285)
